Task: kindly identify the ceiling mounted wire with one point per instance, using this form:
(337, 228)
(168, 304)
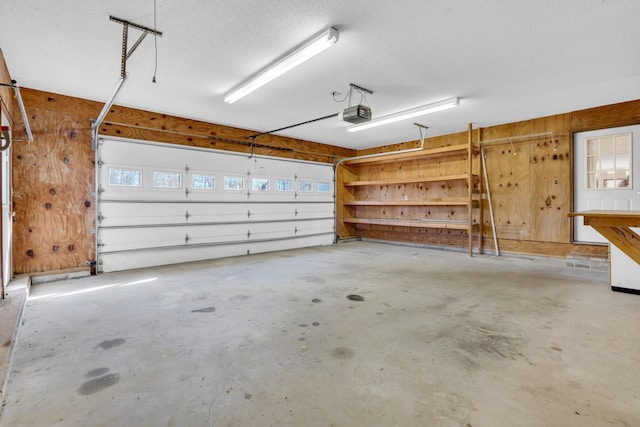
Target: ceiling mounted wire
(155, 40)
(363, 94)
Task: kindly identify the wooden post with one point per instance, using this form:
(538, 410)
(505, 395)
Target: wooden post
(480, 186)
(470, 190)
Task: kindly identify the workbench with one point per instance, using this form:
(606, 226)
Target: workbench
(624, 245)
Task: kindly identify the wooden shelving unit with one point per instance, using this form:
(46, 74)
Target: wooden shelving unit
(412, 180)
(440, 151)
(435, 188)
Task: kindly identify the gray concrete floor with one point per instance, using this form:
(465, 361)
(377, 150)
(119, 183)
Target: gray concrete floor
(440, 339)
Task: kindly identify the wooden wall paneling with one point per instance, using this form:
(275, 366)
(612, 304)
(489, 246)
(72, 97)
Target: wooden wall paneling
(53, 180)
(531, 196)
(431, 237)
(551, 249)
(430, 142)
(550, 166)
(508, 175)
(54, 174)
(146, 125)
(607, 116)
(344, 194)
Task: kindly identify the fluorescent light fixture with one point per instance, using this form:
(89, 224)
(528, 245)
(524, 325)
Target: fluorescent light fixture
(296, 56)
(407, 114)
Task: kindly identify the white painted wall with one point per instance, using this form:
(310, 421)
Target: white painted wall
(625, 272)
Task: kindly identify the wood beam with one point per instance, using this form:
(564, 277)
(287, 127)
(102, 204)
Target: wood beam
(623, 238)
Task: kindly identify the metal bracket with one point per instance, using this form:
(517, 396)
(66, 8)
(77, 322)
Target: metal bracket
(423, 132)
(126, 53)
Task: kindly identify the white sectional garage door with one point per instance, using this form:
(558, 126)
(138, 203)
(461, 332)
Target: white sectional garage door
(163, 204)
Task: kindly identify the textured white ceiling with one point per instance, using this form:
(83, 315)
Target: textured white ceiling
(507, 60)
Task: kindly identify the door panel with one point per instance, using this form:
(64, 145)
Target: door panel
(603, 198)
(7, 219)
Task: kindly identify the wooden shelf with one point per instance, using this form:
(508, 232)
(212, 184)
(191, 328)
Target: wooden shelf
(431, 202)
(463, 176)
(431, 152)
(458, 189)
(446, 224)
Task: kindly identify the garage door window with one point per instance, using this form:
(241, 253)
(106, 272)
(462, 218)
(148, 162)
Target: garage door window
(284, 185)
(233, 183)
(125, 177)
(305, 186)
(260, 184)
(167, 179)
(324, 187)
(203, 182)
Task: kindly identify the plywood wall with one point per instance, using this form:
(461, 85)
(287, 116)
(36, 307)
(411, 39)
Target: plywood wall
(53, 176)
(530, 181)
(53, 181)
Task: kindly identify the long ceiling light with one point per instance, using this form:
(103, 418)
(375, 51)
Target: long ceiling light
(296, 56)
(407, 114)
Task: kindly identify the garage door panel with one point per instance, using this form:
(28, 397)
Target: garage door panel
(139, 259)
(122, 214)
(219, 204)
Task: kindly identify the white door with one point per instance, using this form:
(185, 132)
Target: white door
(606, 175)
(163, 203)
(7, 219)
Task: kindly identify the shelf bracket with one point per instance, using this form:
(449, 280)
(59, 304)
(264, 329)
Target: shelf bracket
(423, 133)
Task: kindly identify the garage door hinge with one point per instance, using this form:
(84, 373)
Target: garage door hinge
(100, 162)
(100, 217)
(186, 192)
(100, 244)
(186, 216)
(186, 239)
(248, 234)
(186, 169)
(295, 231)
(248, 214)
(248, 193)
(296, 212)
(295, 195)
(100, 190)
